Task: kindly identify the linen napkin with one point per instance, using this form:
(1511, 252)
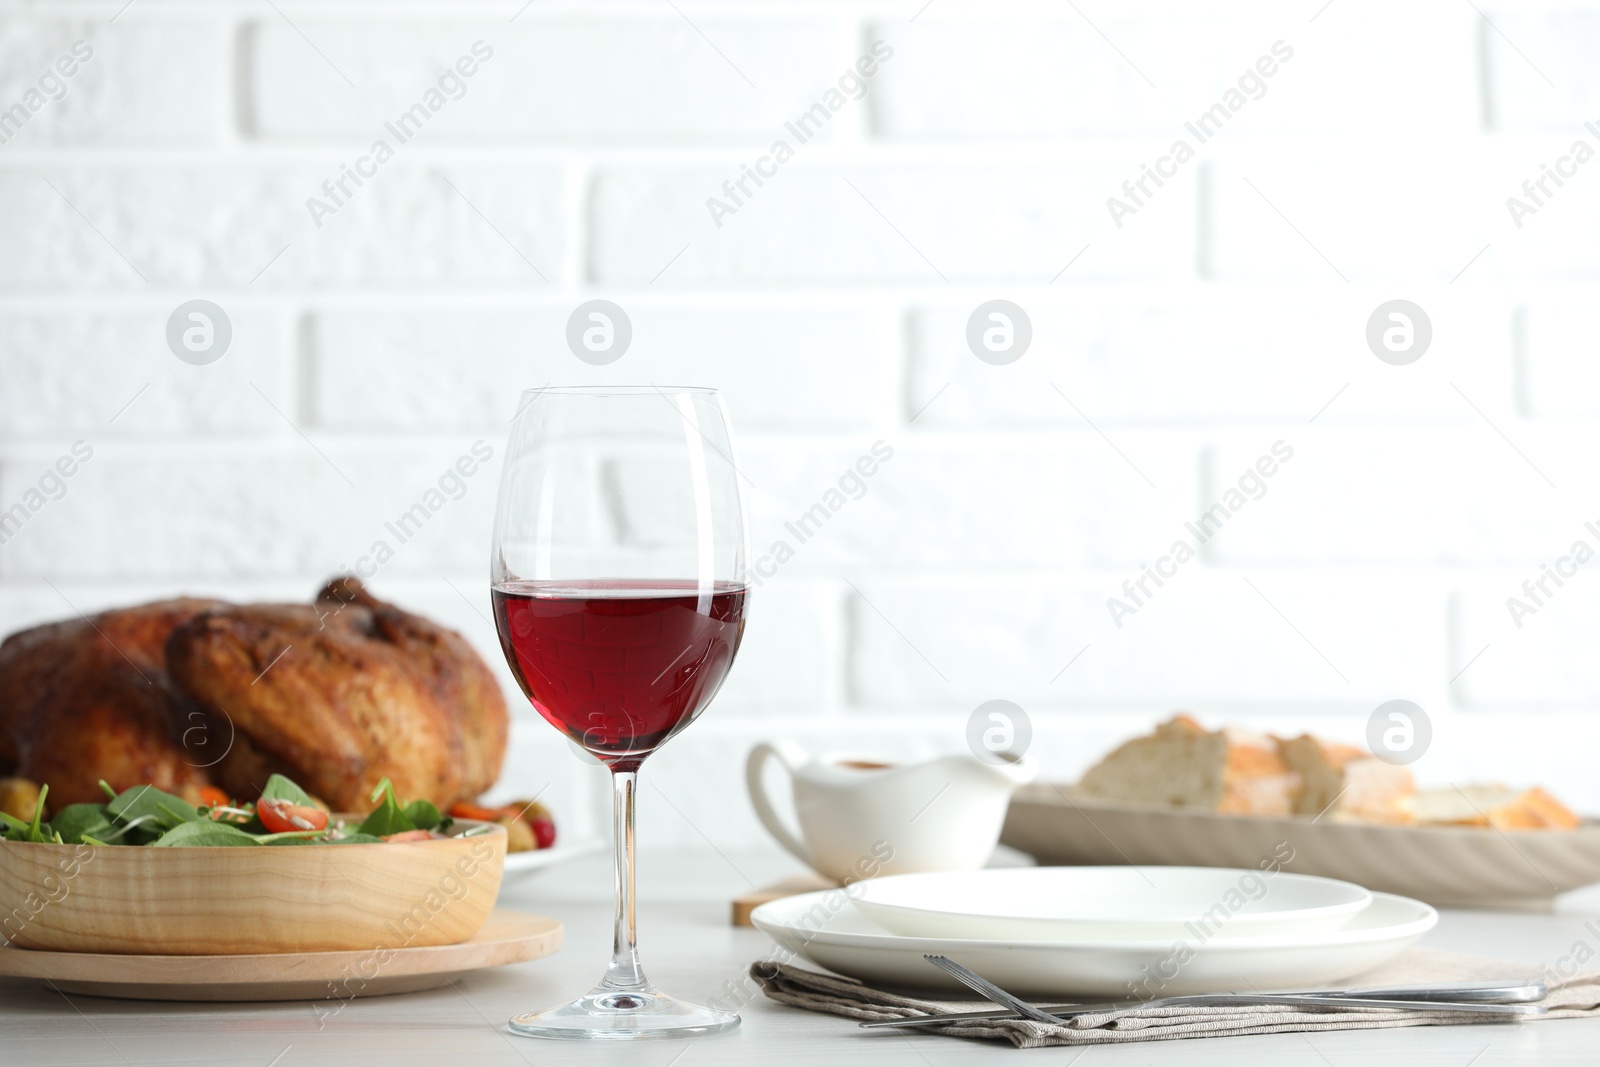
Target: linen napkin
(1575, 997)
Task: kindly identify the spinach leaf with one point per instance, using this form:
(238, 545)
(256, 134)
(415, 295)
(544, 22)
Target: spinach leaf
(191, 834)
(423, 815)
(252, 825)
(140, 831)
(37, 831)
(145, 815)
(388, 817)
(34, 833)
(142, 800)
(311, 836)
(280, 788)
(75, 820)
(14, 828)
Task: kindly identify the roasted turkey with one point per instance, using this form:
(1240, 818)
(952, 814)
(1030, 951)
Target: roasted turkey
(337, 694)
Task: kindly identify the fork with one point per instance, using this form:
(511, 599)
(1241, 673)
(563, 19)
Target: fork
(1509, 1000)
(987, 989)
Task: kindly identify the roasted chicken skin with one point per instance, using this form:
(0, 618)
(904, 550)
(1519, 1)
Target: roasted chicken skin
(337, 694)
(345, 692)
(90, 698)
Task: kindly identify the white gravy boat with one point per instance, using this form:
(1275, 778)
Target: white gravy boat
(860, 817)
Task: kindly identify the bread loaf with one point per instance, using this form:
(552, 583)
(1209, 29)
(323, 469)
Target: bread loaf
(1344, 783)
(1491, 805)
(1232, 771)
(1184, 765)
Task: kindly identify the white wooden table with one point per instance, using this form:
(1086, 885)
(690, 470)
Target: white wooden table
(690, 950)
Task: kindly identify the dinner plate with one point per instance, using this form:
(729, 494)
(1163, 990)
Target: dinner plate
(522, 864)
(1108, 903)
(1454, 865)
(828, 930)
(334, 977)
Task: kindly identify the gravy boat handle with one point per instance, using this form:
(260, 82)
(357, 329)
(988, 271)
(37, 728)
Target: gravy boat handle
(789, 755)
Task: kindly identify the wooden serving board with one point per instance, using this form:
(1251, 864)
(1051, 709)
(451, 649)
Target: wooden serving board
(507, 937)
(745, 903)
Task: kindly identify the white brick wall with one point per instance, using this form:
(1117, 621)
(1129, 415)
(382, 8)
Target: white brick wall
(809, 227)
(655, 73)
(1168, 353)
(151, 83)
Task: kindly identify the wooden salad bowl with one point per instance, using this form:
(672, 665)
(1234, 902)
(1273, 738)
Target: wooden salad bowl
(228, 901)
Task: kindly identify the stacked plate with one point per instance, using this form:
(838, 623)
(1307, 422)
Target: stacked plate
(1100, 931)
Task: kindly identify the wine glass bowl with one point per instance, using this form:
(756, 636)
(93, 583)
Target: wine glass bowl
(618, 581)
(619, 666)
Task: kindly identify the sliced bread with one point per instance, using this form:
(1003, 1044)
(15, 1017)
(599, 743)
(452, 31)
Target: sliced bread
(1498, 806)
(1344, 783)
(1184, 765)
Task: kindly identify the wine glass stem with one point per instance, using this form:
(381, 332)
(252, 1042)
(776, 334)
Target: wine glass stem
(624, 972)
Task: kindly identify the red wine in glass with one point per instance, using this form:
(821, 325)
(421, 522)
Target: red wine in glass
(619, 666)
(618, 576)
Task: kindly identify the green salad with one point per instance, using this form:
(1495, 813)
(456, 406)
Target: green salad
(284, 814)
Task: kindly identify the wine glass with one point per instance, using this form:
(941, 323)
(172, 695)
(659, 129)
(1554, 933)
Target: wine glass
(617, 574)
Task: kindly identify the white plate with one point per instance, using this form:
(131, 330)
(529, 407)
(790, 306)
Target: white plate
(1108, 903)
(521, 864)
(826, 929)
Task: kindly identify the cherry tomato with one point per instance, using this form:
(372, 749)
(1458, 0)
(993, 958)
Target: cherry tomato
(280, 816)
(544, 832)
(410, 835)
(212, 797)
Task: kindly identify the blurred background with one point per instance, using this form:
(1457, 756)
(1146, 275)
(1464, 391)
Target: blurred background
(1170, 317)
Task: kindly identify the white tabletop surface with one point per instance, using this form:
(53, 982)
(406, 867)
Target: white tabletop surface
(690, 949)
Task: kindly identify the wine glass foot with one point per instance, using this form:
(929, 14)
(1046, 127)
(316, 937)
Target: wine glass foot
(623, 1015)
